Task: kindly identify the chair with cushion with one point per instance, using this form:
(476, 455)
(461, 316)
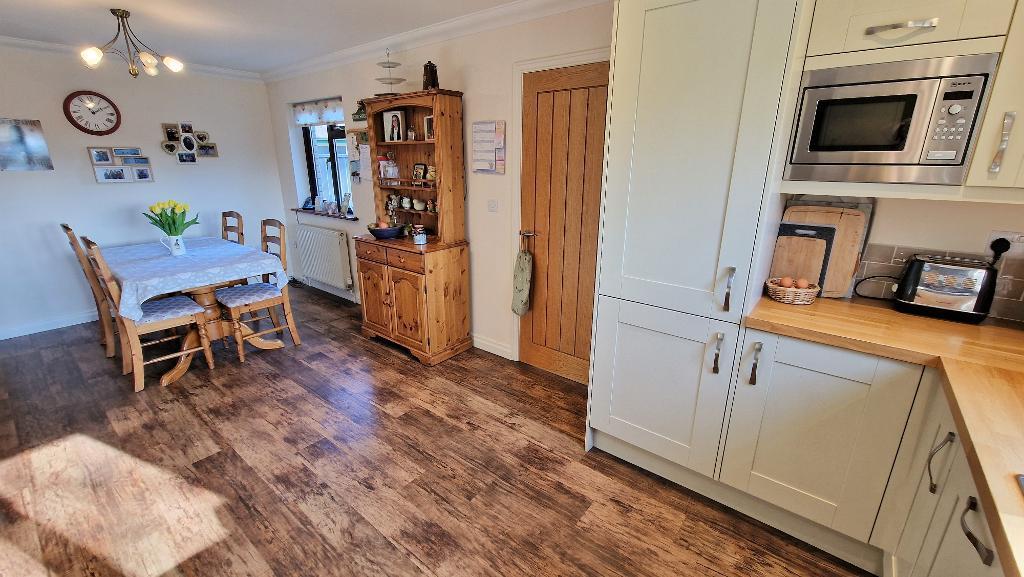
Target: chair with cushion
(250, 298)
(157, 315)
(237, 229)
(103, 310)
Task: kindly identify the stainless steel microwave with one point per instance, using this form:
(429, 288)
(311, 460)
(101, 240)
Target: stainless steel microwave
(897, 122)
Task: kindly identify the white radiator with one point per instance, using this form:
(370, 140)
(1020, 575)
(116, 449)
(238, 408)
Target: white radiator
(325, 256)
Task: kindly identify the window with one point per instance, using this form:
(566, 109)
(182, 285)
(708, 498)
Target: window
(327, 164)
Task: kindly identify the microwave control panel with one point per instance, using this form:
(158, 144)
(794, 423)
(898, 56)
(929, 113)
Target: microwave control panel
(953, 120)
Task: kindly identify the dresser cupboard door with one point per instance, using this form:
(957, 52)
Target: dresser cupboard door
(373, 291)
(655, 383)
(409, 301)
(817, 430)
(696, 87)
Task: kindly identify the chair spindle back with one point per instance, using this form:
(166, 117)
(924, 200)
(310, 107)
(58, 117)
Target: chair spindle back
(106, 279)
(277, 240)
(238, 228)
(83, 261)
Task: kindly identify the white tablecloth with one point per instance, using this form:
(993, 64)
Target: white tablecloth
(147, 270)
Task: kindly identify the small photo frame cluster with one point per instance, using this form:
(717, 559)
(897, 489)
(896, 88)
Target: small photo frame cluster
(120, 164)
(187, 144)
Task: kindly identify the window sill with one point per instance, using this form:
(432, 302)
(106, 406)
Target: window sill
(325, 215)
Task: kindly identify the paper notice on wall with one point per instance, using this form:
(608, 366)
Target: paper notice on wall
(489, 147)
(364, 159)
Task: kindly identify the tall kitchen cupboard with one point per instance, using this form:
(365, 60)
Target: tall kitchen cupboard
(695, 97)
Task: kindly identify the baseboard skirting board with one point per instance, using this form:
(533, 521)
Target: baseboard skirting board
(867, 557)
(47, 325)
(492, 346)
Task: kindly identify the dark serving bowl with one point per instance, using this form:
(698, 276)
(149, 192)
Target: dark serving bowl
(386, 233)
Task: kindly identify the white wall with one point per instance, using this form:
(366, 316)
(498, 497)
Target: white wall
(959, 226)
(480, 65)
(43, 286)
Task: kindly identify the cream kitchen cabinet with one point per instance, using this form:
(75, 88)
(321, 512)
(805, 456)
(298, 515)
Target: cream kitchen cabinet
(999, 154)
(815, 429)
(853, 25)
(661, 380)
(696, 87)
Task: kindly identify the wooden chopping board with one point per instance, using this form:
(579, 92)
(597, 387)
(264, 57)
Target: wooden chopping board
(845, 254)
(798, 257)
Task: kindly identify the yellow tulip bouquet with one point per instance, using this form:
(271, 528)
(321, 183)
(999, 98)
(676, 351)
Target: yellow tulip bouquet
(170, 217)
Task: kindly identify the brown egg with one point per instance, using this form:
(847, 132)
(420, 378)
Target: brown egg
(802, 283)
(383, 224)
(786, 282)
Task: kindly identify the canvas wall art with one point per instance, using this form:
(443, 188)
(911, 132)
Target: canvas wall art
(22, 146)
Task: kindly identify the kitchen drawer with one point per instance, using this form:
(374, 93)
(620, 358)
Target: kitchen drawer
(371, 252)
(841, 25)
(410, 261)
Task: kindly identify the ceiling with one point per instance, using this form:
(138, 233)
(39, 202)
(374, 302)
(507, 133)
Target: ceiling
(249, 35)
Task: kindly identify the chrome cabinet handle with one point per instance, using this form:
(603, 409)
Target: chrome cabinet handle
(757, 359)
(1004, 142)
(728, 287)
(986, 554)
(949, 438)
(909, 24)
(718, 352)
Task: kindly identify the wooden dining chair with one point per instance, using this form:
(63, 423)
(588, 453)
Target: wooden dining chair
(157, 315)
(103, 310)
(251, 298)
(237, 229)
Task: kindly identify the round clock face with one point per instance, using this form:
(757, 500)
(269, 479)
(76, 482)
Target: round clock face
(92, 113)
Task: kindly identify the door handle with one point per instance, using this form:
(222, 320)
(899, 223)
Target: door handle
(1004, 142)
(719, 337)
(728, 287)
(986, 554)
(949, 438)
(757, 358)
(908, 25)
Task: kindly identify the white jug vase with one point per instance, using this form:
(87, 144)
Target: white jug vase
(175, 244)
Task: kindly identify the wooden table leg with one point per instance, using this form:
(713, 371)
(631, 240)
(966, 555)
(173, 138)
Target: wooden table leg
(190, 341)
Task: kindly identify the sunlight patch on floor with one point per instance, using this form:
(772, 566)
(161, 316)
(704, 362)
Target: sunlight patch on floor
(139, 518)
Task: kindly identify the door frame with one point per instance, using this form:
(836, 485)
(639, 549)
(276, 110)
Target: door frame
(515, 143)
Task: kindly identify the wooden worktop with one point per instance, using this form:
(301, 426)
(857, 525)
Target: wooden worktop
(405, 243)
(984, 370)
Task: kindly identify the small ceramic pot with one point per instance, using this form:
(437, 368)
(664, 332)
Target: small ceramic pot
(418, 204)
(406, 202)
(175, 244)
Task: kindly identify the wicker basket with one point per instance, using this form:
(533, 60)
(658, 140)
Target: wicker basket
(792, 295)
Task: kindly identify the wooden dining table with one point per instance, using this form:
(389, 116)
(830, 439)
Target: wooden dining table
(148, 270)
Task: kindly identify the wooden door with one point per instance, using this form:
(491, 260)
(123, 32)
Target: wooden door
(373, 290)
(655, 383)
(817, 431)
(695, 100)
(563, 156)
(409, 304)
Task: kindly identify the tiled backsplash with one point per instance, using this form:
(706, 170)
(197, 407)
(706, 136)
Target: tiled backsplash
(886, 259)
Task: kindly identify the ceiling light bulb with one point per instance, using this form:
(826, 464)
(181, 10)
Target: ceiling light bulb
(148, 60)
(92, 56)
(151, 70)
(173, 64)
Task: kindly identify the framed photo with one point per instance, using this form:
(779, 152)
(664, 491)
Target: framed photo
(207, 150)
(142, 173)
(169, 146)
(172, 132)
(186, 127)
(188, 143)
(100, 156)
(135, 160)
(428, 127)
(108, 174)
(127, 151)
(187, 158)
(419, 172)
(202, 137)
(394, 126)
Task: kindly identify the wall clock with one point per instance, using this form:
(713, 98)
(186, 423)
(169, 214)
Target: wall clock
(92, 113)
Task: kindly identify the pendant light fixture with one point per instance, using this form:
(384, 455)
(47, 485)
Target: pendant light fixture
(134, 52)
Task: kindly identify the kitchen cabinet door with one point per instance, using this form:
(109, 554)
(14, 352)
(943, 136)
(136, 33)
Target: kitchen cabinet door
(815, 429)
(696, 88)
(374, 293)
(947, 550)
(409, 304)
(852, 25)
(655, 381)
(1004, 120)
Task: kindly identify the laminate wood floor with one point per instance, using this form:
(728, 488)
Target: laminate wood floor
(340, 457)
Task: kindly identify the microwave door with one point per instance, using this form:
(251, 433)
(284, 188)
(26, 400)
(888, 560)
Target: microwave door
(881, 123)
